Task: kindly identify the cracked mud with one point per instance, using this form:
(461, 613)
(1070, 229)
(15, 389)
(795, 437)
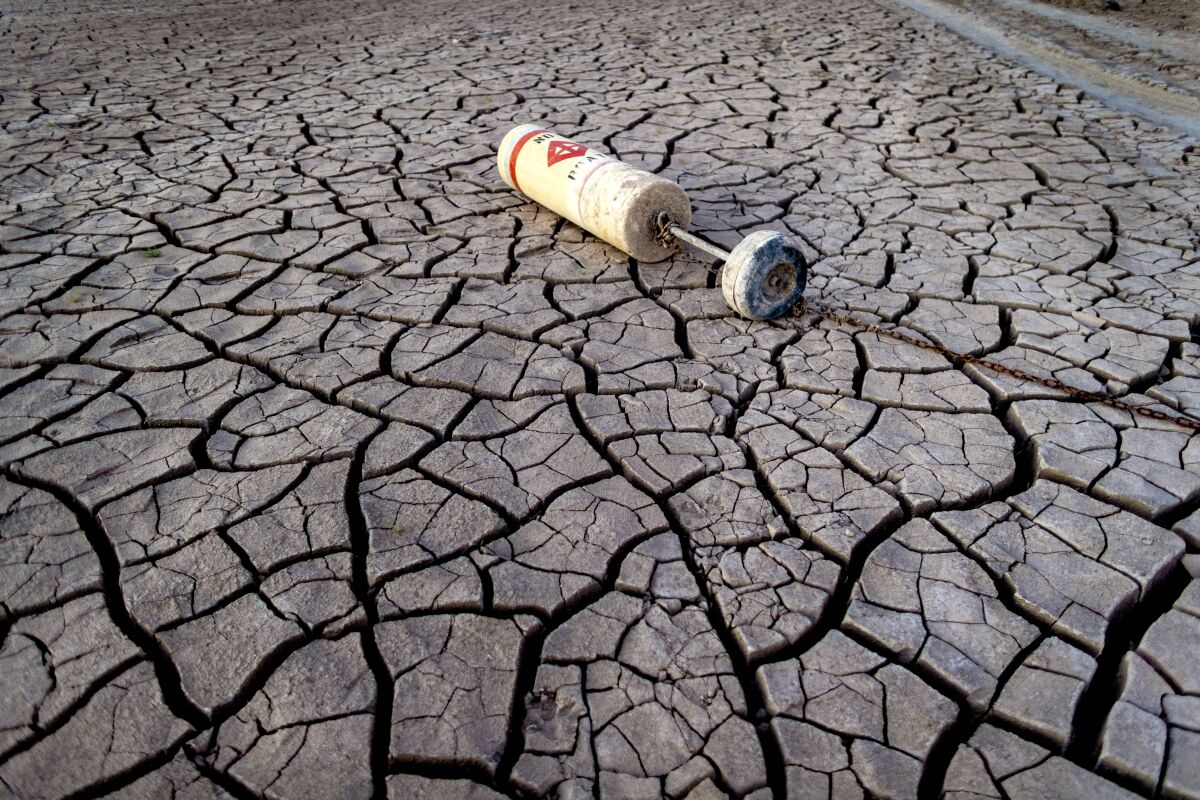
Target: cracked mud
(329, 467)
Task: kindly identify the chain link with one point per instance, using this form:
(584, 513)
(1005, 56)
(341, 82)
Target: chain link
(1182, 420)
(663, 236)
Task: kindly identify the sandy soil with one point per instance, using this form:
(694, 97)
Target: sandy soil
(1174, 16)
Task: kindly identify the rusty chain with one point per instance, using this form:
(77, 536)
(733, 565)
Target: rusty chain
(1182, 420)
(663, 235)
(803, 307)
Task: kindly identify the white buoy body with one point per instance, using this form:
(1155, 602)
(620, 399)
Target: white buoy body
(616, 202)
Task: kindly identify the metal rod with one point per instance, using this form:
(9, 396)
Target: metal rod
(698, 243)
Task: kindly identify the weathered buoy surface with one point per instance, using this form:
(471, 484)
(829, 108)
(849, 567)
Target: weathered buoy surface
(644, 215)
(764, 276)
(616, 202)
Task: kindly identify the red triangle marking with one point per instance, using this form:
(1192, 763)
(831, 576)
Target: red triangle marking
(560, 149)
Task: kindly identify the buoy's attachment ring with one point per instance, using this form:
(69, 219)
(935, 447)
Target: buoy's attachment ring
(764, 276)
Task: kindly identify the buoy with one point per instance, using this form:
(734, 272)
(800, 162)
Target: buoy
(615, 201)
(643, 215)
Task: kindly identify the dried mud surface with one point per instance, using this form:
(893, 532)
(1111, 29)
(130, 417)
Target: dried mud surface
(331, 468)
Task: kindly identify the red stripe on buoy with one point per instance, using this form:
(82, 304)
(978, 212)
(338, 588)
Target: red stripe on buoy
(512, 158)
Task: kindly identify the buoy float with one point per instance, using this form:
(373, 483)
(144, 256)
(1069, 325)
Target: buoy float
(642, 215)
